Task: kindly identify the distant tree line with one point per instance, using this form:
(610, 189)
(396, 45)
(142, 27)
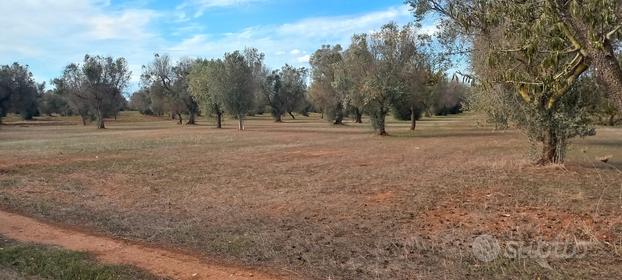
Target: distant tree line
(91, 90)
(553, 75)
(393, 70)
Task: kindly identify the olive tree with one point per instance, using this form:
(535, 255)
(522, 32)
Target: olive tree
(582, 35)
(95, 87)
(323, 94)
(207, 85)
(352, 73)
(18, 91)
(285, 91)
(547, 118)
(238, 86)
(172, 79)
(392, 50)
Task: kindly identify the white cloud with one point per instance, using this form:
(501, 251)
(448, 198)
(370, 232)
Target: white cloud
(52, 33)
(291, 42)
(128, 24)
(200, 6)
(303, 59)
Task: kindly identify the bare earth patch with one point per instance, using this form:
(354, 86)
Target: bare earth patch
(320, 201)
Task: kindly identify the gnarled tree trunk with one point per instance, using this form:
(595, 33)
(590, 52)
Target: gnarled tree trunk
(381, 123)
(358, 116)
(608, 72)
(218, 119)
(192, 118)
(550, 149)
(381, 127)
(240, 122)
(193, 109)
(413, 118)
(338, 115)
(100, 120)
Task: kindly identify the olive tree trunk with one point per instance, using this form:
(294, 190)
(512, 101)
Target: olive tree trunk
(608, 71)
(241, 122)
(381, 126)
(413, 118)
(338, 115)
(550, 149)
(193, 109)
(192, 118)
(218, 119)
(358, 116)
(100, 120)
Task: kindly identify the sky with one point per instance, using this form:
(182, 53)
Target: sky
(49, 34)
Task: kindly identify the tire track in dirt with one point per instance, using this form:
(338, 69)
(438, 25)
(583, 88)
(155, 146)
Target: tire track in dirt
(160, 262)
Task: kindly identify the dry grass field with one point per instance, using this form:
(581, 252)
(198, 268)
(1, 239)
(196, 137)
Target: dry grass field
(315, 201)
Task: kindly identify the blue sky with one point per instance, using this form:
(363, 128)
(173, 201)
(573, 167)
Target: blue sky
(49, 34)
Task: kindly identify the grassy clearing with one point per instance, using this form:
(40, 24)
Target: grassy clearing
(28, 261)
(324, 201)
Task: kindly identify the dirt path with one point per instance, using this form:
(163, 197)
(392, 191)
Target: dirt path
(161, 262)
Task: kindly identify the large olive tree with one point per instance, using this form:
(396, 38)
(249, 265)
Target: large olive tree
(581, 35)
(393, 50)
(323, 93)
(207, 85)
(285, 91)
(238, 86)
(95, 87)
(18, 91)
(172, 79)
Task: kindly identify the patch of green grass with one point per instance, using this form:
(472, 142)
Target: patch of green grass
(55, 263)
(9, 182)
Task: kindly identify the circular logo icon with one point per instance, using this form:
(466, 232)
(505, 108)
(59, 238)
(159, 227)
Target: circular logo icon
(486, 248)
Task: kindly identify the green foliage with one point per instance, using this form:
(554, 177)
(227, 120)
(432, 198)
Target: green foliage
(169, 83)
(141, 101)
(94, 89)
(206, 84)
(556, 40)
(323, 92)
(285, 91)
(53, 263)
(528, 58)
(238, 86)
(546, 129)
(393, 50)
(53, 103)
(18, 91)
(393, 68)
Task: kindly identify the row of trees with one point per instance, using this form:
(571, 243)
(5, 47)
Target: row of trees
(238, 84)
(539, 65)
(92, 90)
(393, 69)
